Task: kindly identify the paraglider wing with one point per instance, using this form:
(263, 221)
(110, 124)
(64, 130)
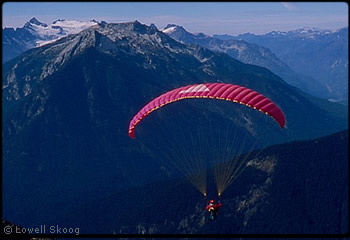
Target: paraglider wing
(224, 91)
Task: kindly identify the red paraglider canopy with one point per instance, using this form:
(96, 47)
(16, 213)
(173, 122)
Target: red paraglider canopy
(222, 91)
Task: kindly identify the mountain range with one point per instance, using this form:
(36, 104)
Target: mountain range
(35, 33)
(248, 53)
(318, 53)
(68, 103)
(284, 53)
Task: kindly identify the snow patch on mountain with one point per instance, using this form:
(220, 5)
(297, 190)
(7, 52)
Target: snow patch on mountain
(305, 32)
(72, 26)
(169, 30)
(47, 33)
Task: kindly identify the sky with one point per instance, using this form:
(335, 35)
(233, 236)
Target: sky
(208, 17)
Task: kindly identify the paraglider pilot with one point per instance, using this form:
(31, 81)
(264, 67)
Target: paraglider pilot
(213, 208)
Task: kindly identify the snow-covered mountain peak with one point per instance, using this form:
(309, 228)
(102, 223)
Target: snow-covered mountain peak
(170, 28)
(58, 20)
(72, 26)
(304, 32)
(278, 33)
(36, 22)
(309, 32)
(47, 33)
(171, 25)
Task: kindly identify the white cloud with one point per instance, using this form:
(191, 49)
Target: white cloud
(289, 5)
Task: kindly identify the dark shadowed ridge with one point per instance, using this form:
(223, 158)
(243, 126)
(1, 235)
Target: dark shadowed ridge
(294, 188)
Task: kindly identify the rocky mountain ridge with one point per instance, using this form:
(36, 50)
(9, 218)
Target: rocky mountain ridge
(320, 54)
(35, 33)
(250, 53)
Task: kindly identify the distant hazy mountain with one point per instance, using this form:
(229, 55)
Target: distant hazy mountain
(248, 53)
(321, 54)
(35, 33)
(67, 106)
